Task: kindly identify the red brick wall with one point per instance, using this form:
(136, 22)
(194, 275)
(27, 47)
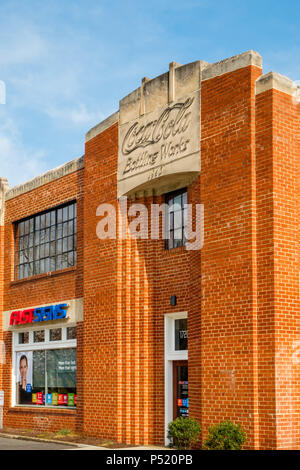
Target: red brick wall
(277, 121)
(228, 266)
(100, 291)
(41, 289)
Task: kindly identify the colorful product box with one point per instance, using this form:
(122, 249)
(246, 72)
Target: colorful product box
(49, 398)
(54, 398)
(34, 398)
(65, 399)
(60, 400)
(71, 400)
(39, 398)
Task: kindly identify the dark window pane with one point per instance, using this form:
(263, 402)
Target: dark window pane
(52, 248)
(176, 219)
(43, 221)
(59, 215)
(52, 217)
(52, 264)
(65, 229)
(71, 332)
(181, 334)
(52, 233)
(65, 245)
(21, 228)
(48, 219)
(47, 265)
(71, 258)
(42, 266)
(39, 336)
(55, 334)
(65, 214)
(24, 338)
(59, 231)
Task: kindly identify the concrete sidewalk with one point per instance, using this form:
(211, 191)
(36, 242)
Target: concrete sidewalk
(56, 444)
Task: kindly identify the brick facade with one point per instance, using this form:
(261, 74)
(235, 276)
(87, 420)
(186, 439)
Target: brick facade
(240, 291)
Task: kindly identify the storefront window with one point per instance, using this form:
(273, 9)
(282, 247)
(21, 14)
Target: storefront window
(46, 376)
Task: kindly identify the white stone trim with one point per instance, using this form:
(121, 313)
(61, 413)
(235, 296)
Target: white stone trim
(233, 63)
(4, 186)
(276, 81)
(51, 175)
(102, 126)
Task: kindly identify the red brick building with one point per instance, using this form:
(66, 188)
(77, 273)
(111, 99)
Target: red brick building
(93, 331)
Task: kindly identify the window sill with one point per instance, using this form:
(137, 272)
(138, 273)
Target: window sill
(41, 409)
(178, 249)
(43, 276)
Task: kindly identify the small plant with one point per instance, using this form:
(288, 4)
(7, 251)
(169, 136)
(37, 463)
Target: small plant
(225, 436)
(64, 432)
(183, 432)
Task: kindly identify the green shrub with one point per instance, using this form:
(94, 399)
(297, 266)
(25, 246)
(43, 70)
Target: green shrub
(225, 436)
(183, 432)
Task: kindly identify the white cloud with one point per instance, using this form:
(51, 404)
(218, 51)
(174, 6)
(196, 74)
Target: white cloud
(20, 46)
(17, 163)
(78, 115)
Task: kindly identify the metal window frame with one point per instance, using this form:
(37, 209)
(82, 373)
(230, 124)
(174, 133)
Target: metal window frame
(36, 232)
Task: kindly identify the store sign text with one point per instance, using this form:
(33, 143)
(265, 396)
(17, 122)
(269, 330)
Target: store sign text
(35, 315)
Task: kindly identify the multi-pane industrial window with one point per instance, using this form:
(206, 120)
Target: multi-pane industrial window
(176, 223)
(46, 242)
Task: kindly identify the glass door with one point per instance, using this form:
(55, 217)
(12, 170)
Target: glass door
(180, 389)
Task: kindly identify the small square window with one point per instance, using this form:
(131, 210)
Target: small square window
(39, 336)
(24, 338)
(71, 332)
(55, 334)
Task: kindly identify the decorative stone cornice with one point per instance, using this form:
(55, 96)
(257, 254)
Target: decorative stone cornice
(102, 126)
(233, 63)
(51, 175)
(273, 80)
(4, 185)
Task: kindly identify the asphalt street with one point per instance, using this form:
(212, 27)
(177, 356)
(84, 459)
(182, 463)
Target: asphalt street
(20, 444)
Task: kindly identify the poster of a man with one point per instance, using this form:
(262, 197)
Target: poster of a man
(24, 384)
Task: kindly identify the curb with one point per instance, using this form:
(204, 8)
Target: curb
(39, 439)
(77, 444)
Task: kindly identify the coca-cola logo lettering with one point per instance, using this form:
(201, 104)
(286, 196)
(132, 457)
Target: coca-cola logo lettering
(173, 121)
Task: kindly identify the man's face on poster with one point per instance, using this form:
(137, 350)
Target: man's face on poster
(23, 368)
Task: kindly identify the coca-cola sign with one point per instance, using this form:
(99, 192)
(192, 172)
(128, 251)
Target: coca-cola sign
(160, 143)
(174, 120)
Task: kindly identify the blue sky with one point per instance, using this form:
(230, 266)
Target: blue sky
(67, 63)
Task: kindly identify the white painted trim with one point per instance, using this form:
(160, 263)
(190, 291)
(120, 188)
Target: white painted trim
(170, 356)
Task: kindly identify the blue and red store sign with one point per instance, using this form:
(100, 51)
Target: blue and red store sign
(35, 315)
